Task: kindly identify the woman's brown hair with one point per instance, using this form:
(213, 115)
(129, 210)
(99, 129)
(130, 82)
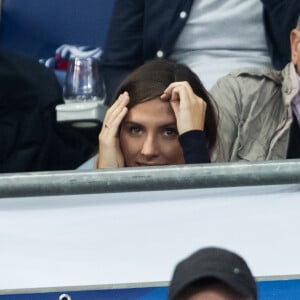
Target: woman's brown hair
(151, 79)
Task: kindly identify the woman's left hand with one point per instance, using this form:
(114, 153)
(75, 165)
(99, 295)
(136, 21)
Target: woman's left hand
(189, 109)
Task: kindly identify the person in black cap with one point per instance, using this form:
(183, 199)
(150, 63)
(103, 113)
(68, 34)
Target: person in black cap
(212, 274)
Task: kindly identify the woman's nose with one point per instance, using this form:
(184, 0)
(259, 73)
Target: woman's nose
(150, 147)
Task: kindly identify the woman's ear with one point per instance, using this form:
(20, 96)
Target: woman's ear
(295, 46)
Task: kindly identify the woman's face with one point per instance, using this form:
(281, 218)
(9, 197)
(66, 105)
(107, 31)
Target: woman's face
(149, 136)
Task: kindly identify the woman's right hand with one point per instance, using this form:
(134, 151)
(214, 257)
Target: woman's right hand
(110, 154)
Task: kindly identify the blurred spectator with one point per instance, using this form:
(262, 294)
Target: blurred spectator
(211, 37)
(214, 274)
(280, 18)
(259, 111)
(30, 138)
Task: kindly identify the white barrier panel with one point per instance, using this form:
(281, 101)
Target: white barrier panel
(138, 237)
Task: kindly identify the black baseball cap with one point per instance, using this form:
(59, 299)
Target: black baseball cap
(214, 263)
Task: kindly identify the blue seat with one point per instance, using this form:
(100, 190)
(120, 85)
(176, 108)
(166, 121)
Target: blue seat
(35, 28)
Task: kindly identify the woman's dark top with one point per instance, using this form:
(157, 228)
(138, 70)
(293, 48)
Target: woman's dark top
(194, 146)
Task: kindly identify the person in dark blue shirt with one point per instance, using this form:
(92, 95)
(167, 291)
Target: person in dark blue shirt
(162, 115)
(201, 34)
(280, 18)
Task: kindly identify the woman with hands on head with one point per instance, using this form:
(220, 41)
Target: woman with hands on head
(162, 115)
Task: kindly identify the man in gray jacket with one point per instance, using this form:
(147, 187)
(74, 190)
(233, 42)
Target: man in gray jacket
(259, 111)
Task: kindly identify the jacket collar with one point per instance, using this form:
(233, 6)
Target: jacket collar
(290, 84)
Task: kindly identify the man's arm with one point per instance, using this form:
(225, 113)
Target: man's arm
(226, 94)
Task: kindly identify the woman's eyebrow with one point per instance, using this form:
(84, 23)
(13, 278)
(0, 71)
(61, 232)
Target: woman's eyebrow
(131, 123)
(170, 125)
(127, 122)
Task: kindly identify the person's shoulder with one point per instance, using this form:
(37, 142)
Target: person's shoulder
(257, 74)
(243, 81)
(246, 86)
